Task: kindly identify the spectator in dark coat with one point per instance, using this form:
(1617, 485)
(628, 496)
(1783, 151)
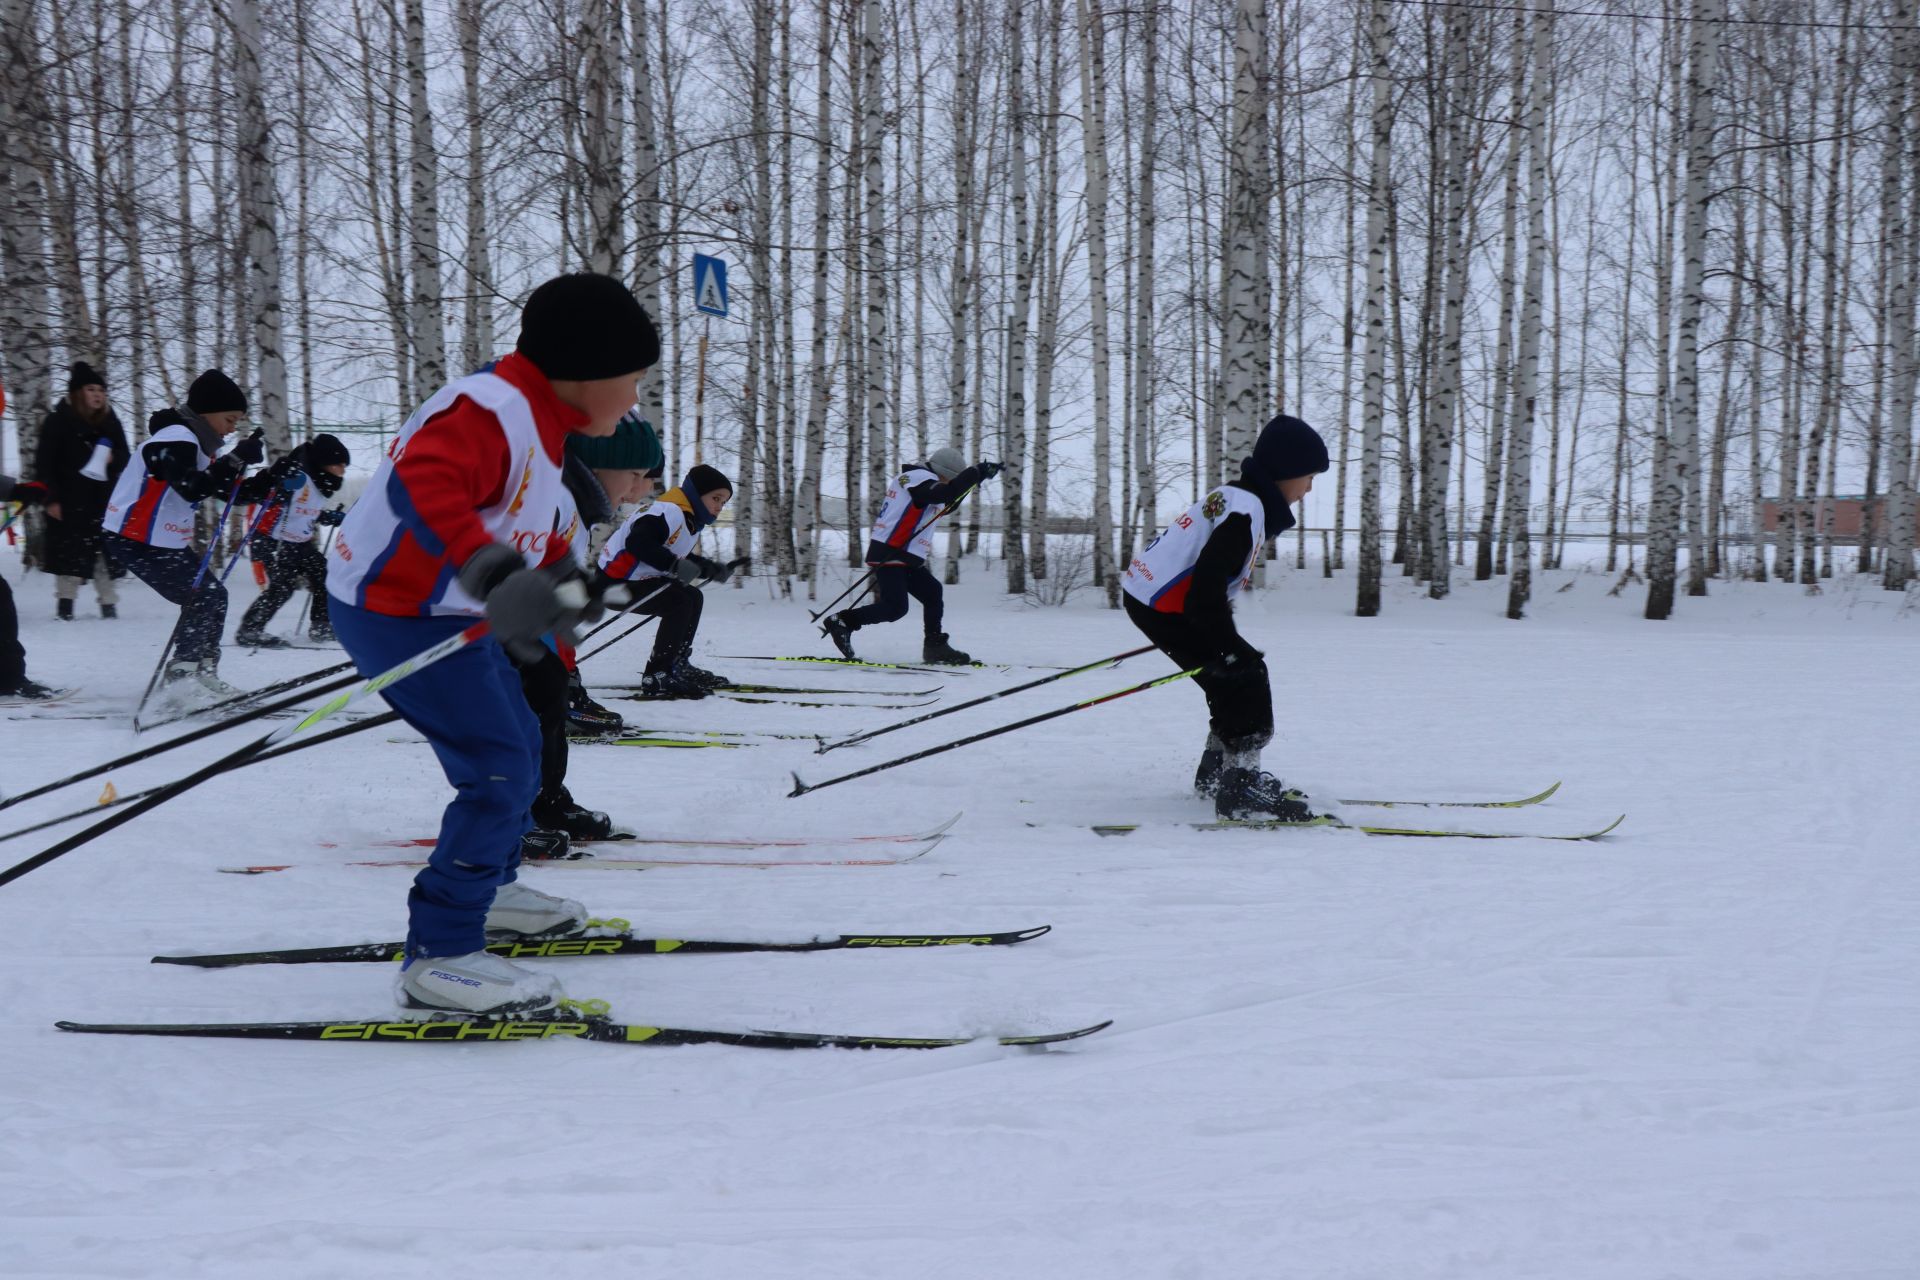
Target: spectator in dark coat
(78, 483)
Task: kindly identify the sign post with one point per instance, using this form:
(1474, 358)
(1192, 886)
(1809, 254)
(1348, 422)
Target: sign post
(709, 299)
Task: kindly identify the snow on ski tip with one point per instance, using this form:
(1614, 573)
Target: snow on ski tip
(612, 945)
(599, 1029)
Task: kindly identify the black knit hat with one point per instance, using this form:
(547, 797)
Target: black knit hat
(214, 392)
(703, 479)
(326, 451)
(581, 327)
(83, 375)
(1287, 449)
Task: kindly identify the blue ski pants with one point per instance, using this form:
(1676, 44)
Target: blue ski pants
(475, 716)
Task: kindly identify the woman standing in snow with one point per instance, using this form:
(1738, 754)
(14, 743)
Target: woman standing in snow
(82, 451)
(1180, 591)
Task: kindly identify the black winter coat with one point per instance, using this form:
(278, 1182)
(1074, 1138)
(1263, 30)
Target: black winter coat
(66, 443)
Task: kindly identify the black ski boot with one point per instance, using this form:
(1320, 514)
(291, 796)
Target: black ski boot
(588, 718)
(936, 649)
(254, 639)
(561, 813)
(322, 633)
(840, 631)
(1213, 761)
(543, 845)
(701, 676)
(671, 683)
(1250, 794)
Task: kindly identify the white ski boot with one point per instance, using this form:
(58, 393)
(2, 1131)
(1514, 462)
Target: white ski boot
(478, 984)
(520, 912)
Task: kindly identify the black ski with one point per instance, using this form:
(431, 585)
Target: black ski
(604, 1030)
(617, 945)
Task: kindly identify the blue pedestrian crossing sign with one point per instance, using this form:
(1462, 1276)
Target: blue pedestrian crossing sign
(709, 285)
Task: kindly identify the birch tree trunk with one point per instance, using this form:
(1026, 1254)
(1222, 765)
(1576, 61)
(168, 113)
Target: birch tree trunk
(425, 315)
(1494, 470)
(1246, 319)
(820, 381)
(874, 183)
(751, 471)
(1901, 153)
(959, 279)
(649, 239)
(602, 143)
(476, 328)
(1047, 262)
(1680, 482)
(1438, 437)
(26, 303)
(1145, 467)
(1527, 374)
(1014, 449)
(1093, 111)
(1373, 395)
(259, 199)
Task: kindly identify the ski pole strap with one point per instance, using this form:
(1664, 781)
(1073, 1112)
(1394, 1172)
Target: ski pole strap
(801, 788)
(1115, 660)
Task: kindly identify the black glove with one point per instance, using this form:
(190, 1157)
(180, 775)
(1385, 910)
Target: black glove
(252, 451)
(988, 470)
(331, 516)
(688, 570)
(1240, 662)
(523, 605)
(714, 571)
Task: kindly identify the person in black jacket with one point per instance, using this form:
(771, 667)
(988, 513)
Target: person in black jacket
(898, 548)
(83, 450)
(150, 514)
(1179, 592)
(13, 657)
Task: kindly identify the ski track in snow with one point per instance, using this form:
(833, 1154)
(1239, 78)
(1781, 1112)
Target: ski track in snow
(1689, 1050)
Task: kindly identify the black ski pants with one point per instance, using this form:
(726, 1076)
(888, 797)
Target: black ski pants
(169, 571)
(1241, 705)
(678, 606)
(13, 658)
(892, 585)
(289, 565)
(545, 684)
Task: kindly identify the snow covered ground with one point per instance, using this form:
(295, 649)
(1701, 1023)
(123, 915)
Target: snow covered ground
(1691, 1050)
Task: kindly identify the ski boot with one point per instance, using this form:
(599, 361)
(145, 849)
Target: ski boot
(703, 677)
(520, 912)
(542, 844)
(1213, 761)
(668, 684)
(27, 691)
(587, 717)
(560, 812)
(1252, 795)
(840, 631)
(191, 683)
(478, 984)
(253, 638)
(322, 633)
(937, 650)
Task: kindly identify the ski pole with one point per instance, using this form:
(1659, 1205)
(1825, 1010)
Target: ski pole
(166, 650)
(801, 788)
(387, 717)
(644, 621)
(293, 682)
(622, 612)
(1114, 661)
(400, 671)
(158, 748)
(868, 576)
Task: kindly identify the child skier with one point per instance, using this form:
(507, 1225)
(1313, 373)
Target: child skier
(659, 543)
(898, 549)
(283, 540)
(606, 474)
(1179, 592)
(468, 516)
(150, 517)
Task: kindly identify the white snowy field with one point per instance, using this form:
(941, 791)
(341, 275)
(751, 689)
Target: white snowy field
(1690, 1050)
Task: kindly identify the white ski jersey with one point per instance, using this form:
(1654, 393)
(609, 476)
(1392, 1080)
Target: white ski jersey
(146, 508)
(378, 563)
(902, 522)
(681, 540)
(296, 518)
(1163, 569)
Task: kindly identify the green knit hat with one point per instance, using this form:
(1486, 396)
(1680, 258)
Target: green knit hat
(633, 446)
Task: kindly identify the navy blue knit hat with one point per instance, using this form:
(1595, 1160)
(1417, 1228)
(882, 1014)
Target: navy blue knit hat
(1287, 449)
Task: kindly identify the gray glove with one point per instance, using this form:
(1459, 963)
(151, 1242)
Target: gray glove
(523, 605)
(687, 571)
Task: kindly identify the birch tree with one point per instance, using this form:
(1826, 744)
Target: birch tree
(425, 316)
(1373, 394)
(259, 201)
(1527, 374)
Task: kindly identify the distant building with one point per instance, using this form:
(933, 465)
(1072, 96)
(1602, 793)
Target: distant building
(1842, 515)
